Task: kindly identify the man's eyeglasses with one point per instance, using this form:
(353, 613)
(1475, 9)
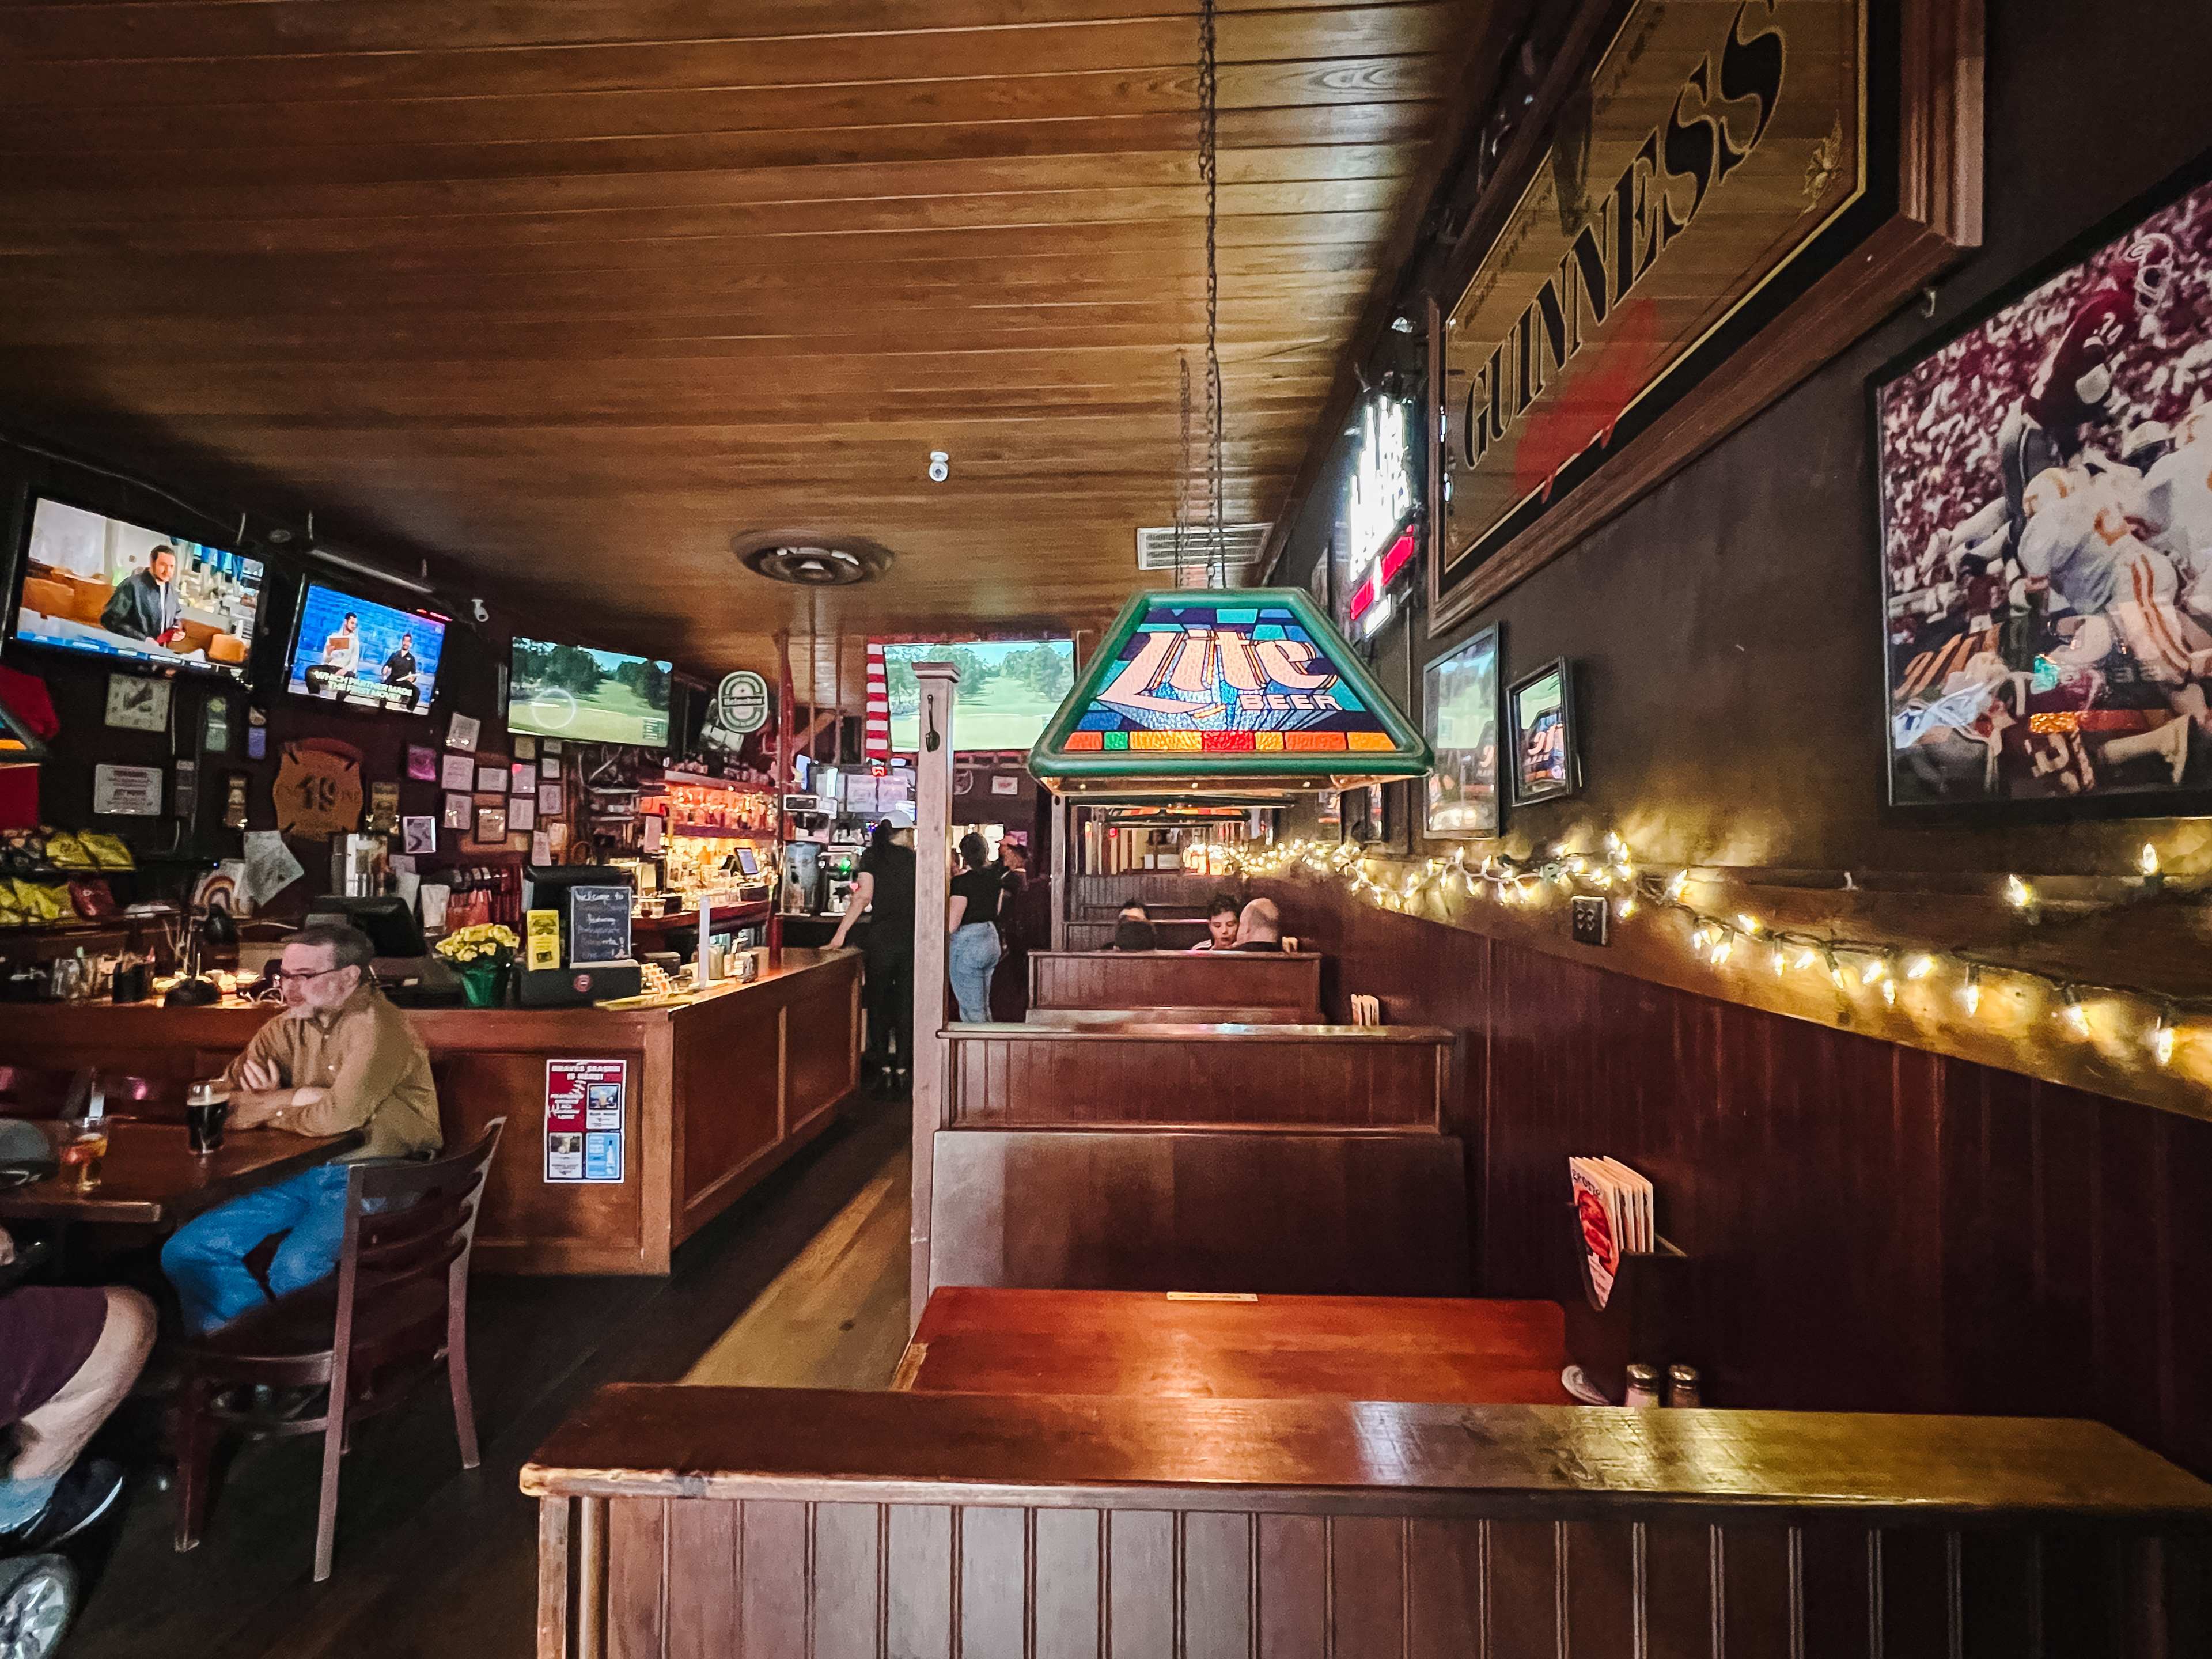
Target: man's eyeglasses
(280, 977)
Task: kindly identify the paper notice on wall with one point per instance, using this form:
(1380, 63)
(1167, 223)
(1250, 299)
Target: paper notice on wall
(270, 865)
(587, 1113)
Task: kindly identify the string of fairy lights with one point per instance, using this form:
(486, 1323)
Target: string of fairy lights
(1855, 966)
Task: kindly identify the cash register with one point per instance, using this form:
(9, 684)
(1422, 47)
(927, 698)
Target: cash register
(576, 947)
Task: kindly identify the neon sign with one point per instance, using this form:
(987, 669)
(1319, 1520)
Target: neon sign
(1379, 508)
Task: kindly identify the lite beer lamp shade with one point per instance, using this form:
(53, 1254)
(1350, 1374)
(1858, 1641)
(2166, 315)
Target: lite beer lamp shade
(1197, 693)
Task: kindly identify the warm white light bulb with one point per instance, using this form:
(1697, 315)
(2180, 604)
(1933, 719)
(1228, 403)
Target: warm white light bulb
(2075, 1016)
(1889, 992)
(1877, 971)
(2018, 893)
(1751, 925)
(1626, 909)
(1806, 957)
(2147, 861)
(1969, 995)
(1679, 885)
(1721, 950)
(1920, 967)
(2161, 1042)
(1779, 959)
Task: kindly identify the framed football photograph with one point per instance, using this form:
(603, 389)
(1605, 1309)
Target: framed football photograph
(1541, 709)
(1459, 716)
(2045, 475)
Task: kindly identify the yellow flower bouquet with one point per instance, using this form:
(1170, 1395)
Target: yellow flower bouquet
(481, 955)
(475, 943)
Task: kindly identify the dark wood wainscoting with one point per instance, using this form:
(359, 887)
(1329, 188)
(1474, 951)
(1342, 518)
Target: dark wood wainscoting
(1877, 1228)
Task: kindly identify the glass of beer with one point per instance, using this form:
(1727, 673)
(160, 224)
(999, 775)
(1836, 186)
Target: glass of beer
(82, 1153)
(207, 1108)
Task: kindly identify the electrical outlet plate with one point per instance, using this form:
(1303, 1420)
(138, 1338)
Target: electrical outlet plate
(1593, 922)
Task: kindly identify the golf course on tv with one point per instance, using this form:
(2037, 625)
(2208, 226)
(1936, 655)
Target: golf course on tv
(592, 696)
(1009, 688)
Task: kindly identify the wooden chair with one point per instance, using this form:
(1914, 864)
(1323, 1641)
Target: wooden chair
(396, 1308)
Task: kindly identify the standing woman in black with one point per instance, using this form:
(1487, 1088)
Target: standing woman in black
(885, 889)
(971, 926)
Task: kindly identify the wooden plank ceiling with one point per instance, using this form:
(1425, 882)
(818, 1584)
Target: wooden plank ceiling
(573, 292)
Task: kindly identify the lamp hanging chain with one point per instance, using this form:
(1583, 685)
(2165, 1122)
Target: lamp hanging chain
(1183, 477)
(1209, 172)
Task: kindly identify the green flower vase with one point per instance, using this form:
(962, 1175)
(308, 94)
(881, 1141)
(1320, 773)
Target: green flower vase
(483, 982)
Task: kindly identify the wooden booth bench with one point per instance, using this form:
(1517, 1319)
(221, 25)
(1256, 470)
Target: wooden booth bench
(1299, 1159)
(678, 1523)
(1182, 979)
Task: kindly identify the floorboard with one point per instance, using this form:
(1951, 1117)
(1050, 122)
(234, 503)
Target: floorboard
(434, 1561)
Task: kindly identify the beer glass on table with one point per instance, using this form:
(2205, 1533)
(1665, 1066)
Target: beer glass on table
(207, 1108)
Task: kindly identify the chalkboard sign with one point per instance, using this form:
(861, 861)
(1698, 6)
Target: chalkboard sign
(598, 926)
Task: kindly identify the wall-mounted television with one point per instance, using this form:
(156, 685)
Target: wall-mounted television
(360, 653)
(572, 691)
(1009, 688)
(107, 588)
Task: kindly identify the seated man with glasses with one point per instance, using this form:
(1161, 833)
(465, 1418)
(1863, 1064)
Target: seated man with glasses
(338, 1058)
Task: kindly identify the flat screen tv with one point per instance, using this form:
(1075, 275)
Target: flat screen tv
(363, 654)
(572, 691)
(107, 588)
(1009, 688)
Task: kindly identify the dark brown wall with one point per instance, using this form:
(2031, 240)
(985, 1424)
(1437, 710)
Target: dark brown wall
(468, 683)
(1724, 629)
(1878, 1229)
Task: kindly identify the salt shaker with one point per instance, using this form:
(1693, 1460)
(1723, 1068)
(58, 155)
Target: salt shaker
(1643, 1385)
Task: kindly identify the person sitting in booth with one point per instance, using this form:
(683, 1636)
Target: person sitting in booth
(68, 1356)
(338, 1058)
(1221, 922)
(1260, 927)
(1133, 911)
(1135, 933)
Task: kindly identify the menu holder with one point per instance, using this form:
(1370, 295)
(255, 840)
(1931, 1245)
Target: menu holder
(1648, 1318)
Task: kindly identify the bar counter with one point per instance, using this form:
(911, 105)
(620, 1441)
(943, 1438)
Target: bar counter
(722, 1086)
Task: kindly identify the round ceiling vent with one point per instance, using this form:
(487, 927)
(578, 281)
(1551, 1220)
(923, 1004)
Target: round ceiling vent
(809, 559)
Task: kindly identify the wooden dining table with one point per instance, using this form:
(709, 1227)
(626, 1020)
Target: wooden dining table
(977, 1339)
(150, 1176)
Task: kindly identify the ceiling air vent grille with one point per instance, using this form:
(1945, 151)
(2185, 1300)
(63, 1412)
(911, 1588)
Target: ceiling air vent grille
(1241, 545)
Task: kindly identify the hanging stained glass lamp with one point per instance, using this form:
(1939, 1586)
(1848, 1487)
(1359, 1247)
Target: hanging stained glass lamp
(1196, 692)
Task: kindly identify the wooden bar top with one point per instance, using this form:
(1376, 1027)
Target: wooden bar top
(1355, 1456)
(986, 1340)
(234, 1020)
(1041, 1030)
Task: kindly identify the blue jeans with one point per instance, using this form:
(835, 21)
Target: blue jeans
(205, 1258)
(969, 961)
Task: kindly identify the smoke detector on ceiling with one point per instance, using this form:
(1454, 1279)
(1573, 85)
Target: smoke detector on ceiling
(940, 466)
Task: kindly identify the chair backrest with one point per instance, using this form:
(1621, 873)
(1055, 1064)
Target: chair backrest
(408, 1225)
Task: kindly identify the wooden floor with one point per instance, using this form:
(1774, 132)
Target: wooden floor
(432, 1562)
(837, 1318)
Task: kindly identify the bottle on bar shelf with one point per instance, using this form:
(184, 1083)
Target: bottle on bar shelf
(1643, 1385)
(1682, 1386)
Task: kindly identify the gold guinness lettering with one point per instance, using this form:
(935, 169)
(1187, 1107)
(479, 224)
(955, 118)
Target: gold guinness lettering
(1692, 153)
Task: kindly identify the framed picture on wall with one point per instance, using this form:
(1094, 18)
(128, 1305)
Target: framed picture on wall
(1459, 716)
(2044, 478)
(1545, 764)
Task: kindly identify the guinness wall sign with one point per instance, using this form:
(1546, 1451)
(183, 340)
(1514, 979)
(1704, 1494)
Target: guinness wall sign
(1705, 177)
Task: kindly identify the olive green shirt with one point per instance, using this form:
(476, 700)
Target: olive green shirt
(376, 1069)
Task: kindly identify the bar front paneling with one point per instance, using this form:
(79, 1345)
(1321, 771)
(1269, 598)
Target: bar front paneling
(723, 1087)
